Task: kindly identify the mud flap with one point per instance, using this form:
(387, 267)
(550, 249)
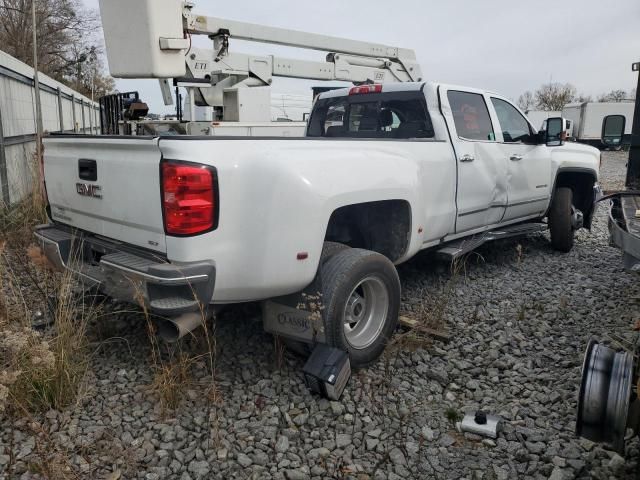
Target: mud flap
(297, 316)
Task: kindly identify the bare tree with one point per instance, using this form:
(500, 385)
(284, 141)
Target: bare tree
(64, 29)
(554, 96)
(582, 98)
(526, 101)
(613, 96)
(632, 94)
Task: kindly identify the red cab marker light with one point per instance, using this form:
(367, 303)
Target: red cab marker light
(364, 89)
(303, 255)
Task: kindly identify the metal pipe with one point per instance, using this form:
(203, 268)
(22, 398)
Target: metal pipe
(36, 82)
(84, 122)
(173, 329)
(73, 112)
(4, 175)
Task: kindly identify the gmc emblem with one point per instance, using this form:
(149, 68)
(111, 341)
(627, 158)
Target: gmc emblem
(88, 190)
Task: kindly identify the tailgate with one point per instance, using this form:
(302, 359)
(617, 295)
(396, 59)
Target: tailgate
(107, 186)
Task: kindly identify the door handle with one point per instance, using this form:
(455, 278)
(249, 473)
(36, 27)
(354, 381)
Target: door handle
(467, 158)
(515, 157)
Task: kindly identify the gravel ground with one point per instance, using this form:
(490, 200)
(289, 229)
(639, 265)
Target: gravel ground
(519, 317)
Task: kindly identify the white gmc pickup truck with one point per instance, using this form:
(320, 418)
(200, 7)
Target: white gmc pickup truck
(181, 223)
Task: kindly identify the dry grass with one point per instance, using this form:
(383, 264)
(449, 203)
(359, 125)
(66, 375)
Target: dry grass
(429, 315)
(17, 221)
(171, 380)
(40, 371)
(173, 363)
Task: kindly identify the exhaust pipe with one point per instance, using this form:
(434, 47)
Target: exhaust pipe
(605, 407)
(173, 329)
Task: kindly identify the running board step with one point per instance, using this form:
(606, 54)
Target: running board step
(458, 248)
(515, 230)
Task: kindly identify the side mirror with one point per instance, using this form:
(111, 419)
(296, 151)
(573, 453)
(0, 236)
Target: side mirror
(613, 130)
(555, 133)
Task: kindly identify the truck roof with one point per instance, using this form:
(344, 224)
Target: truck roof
(406, 87)
(387, 87)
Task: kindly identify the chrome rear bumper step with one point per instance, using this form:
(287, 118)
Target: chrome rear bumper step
(123, 273)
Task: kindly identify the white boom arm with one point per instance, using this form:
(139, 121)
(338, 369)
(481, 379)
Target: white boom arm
(158, 47)
(197, 24)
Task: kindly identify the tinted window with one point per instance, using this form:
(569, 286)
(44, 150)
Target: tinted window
(613, 125)
(613, 129)
(515, 127)
(334, 117)
(363, 117)
(400, 115)
(471, 116)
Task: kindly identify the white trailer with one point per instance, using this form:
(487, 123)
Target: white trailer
(590, 119)
(537, 117)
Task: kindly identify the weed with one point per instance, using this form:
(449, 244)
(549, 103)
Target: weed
(171, 380)
(17, 221)
(453, 415)
(173, 363)
(279, 348)
(41, 371)
(429, 315)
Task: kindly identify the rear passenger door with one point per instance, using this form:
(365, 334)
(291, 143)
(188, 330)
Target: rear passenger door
(482, 168)
(529, 164)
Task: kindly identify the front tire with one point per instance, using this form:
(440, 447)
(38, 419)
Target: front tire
(361, 298)
(560, 224)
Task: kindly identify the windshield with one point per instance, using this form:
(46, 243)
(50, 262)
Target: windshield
(396, 115)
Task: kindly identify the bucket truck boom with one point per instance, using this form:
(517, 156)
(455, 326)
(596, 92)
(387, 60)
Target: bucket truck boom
(160, 46)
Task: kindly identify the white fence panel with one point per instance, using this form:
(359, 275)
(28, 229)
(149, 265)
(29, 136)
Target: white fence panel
(63, 109)
(67, 115)
(21, 168)
(50, 116)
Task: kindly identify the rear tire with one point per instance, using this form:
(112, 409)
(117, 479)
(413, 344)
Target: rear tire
(361, 298)
(329, 249)
(560, 226)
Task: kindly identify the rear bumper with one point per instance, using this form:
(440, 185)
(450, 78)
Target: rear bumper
(127, 273)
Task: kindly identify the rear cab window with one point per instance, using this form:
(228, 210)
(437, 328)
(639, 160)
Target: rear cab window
(471, 116)
(390, 115)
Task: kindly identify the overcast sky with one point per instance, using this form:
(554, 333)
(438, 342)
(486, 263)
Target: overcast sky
(502, 45)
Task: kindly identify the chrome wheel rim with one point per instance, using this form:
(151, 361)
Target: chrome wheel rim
(365, 312)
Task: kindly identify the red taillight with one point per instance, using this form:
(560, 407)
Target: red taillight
(189, 198)
(362, 89)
